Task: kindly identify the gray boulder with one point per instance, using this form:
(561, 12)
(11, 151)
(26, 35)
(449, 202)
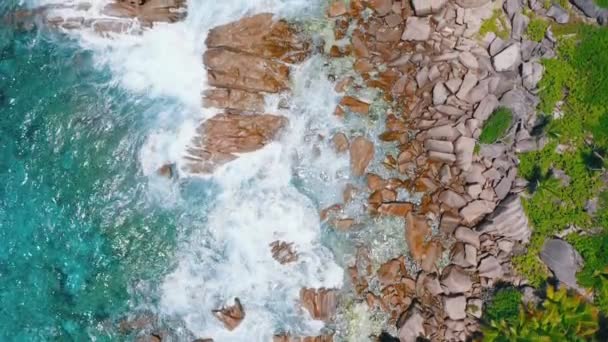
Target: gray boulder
(508, 59)
(508, 220)
(559, 14)
(563, 260)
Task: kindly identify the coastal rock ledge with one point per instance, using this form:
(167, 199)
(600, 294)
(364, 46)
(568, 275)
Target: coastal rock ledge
(245, 60)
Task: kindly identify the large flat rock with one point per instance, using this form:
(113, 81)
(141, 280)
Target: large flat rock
(263, 36)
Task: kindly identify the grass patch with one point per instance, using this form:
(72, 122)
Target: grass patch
(497, 24)
(536, 29)
(496, 126)
(579, 77)
(602, 3)
(504, 305)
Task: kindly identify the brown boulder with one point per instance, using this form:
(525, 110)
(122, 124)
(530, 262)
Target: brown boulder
(340, 142)
(336, 9)
(149, 11)
(234, 100)
(400, 209)
(416, 233)
(391, 271)
(361, 154)
(355, 105)
(225, 135)
(231, 316)
(263, 36)
(229, 69)
(320, 303)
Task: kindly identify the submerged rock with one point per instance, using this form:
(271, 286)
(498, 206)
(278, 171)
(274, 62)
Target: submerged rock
(283, 252)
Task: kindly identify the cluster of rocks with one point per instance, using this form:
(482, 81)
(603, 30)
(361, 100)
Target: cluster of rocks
(590, 9)
(444, 82)
(245, 60)
(116, 17)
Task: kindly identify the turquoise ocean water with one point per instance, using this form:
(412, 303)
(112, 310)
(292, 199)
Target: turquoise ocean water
(82, 241)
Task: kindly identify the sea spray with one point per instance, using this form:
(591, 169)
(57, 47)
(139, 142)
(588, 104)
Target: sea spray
(259, 203)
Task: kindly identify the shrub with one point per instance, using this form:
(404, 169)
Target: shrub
(504, 305)
(536, 29)
(561, 317)
(594, 249)
(496, 126)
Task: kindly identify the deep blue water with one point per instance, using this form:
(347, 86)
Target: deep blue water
(82, 242)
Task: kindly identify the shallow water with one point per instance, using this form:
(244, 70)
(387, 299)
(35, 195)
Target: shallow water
(90, 235)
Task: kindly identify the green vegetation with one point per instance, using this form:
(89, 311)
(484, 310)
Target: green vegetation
(578, 143)
(561, 317)
(497, 23)
(496, 126)
(504, 305)
(553, 206)
(602, 3)
(536, 29)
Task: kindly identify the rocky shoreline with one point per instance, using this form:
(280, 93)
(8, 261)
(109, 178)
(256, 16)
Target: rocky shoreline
(442, 82)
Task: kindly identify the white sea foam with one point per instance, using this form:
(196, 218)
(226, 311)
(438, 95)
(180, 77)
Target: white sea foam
(259, 198)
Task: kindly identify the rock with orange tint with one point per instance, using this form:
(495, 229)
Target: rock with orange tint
(340, 142)
(229, 69)
(416, 233)
(391, 271)
(231, 316)
(361, 154)
(263, 36)
(234, 100)
(400, 209)
(283, 252)
(359, 46)
(320, 303)
(118, 16)
(224, 136)
(337, 8)
(148, 11)
(355, 105)
(375, 182)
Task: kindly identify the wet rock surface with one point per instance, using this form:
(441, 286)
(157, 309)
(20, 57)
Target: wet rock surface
(245, 60)
(231, 316)
(320, 303)
(115, 17)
